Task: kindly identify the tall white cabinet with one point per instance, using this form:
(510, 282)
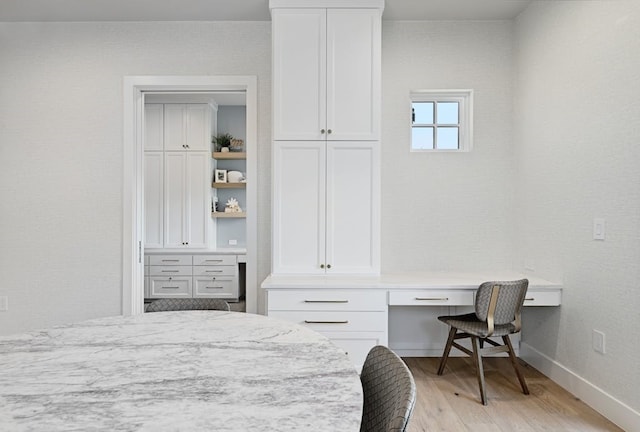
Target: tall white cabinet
(177, 175)
(326, 168)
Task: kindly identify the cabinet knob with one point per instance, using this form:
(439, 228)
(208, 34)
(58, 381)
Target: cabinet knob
(321, 131)
(328, 266)
(329, 131)
(322, 266)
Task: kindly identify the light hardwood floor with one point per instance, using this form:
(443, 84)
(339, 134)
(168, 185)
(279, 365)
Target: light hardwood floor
(451, 402)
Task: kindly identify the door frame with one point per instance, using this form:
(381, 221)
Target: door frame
(133, 181)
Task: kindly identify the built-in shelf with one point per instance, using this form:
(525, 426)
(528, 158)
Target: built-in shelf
(229, 215)
(238, 185)
(229, 155)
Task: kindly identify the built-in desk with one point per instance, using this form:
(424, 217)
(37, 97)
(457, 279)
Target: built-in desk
(398, 310)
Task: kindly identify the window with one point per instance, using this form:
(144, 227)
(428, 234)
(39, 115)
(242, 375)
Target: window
(441, 120)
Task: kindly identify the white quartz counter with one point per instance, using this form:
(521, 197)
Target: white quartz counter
(219, 251)
(177, 371)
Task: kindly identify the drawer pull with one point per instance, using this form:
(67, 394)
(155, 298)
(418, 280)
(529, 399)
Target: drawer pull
(530, 299)
(170, 260)
(213, 271)
(433, 298)
(213, 260)
(326, 301)
(171, 287)
(326, 322)
(214, 287)
(170, 271)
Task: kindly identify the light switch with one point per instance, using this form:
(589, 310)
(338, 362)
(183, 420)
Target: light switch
(598, 229)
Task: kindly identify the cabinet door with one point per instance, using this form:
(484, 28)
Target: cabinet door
(153, 199)
(299, 206)
(353, 207)
(174, 130)
(198, 204)
(174, 199)
(153, 127)
(197, 127)
(353, 77)
(299, 74)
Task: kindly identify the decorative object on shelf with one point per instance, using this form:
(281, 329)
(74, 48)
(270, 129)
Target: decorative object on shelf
(237, 145)
(214, 204)
(222, 142)
(232, 206)
(235, 177)
(221, 176)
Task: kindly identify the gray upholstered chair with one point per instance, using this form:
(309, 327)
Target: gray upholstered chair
(389, 392)
(170, 304)
(497, 313)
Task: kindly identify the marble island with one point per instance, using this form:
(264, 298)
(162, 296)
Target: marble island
(177, 371)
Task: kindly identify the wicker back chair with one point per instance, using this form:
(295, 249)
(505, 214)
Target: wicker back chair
(170, 304)
(497, 313)
(389, 392)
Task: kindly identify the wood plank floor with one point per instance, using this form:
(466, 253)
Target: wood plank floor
(451, 402)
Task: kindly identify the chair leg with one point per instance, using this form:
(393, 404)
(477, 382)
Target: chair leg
(516, 366)
(447, 350)
(477, 357)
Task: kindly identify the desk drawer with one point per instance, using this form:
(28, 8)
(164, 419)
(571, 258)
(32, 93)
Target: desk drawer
(327, 300)
(214, 270)
(173, 260)
(169, 287)
(542, 298)
(328, 321)
(431, 297)
(209, 260)
(215, 287)
(173, 270)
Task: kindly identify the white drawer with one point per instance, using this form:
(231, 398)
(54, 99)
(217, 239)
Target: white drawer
(431, 297)
(215, 287)
(169, 270)
(327, 300)
(357, 344)
(542, 298)
(324, 321)
(199, 260)
(215, 270)
(169, 287)
(181, 260)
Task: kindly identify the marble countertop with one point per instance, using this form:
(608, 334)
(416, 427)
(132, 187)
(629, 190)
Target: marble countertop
(177, 371)
(405, 280)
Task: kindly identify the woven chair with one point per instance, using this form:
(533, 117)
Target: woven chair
(497, 313)
(389, 392)
(168, 304)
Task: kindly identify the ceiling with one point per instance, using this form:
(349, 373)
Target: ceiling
(238, 10)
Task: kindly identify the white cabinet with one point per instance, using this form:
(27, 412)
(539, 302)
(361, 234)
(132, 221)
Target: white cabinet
(153, 199)
(326, 72)
(355, 320)
(187, 127)
(154, 127)
(326, 207)
(186, 199)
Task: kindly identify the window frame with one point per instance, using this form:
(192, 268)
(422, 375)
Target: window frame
(465, 117)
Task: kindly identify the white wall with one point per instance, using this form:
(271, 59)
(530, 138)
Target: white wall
(446, 211)
(61, 119)
(577, 129)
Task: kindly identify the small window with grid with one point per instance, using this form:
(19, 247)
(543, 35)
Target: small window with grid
(441, 120)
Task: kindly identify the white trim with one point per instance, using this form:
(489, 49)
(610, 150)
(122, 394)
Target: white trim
(134, 88)
(613, 409)
(351, 4)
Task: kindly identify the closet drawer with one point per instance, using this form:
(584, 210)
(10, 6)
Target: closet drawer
(214, 270)
(170, 270)
(431, 297)
(323, 321)
(542, 298)
(169, 287)
(327, 300)
(175, 260)
(208, 260)
(215, 287)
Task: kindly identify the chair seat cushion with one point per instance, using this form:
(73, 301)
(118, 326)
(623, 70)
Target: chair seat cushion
(469, 323)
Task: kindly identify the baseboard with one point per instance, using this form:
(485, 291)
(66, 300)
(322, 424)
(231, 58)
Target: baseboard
(614, 410)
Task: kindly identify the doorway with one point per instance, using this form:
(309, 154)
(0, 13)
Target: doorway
(135, 89)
